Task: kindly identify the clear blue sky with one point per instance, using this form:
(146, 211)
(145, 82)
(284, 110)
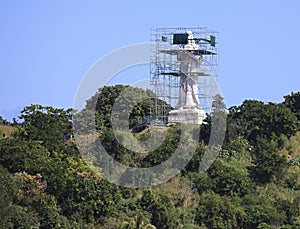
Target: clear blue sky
(47, 46)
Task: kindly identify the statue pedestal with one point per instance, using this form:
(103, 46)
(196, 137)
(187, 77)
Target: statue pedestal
(191, 115)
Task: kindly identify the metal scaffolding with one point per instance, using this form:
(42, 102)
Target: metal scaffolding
(165, 67)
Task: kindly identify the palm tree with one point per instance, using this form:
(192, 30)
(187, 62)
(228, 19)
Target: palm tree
(137, 222)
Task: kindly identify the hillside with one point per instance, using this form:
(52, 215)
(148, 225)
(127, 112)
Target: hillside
(47, 181)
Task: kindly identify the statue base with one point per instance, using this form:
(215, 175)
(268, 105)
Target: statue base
(191, 115)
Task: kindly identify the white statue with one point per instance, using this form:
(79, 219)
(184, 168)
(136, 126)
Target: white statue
(189, 66)
(188, 107)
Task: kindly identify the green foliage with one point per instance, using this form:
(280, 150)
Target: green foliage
(201, 181)
(125, 96)
(19, 155)
(292, 101)
(84, 122)
(166, 149)
(20, 217)
(254, 119)
(32, 188)
(205, 130)
(229, 180)
(8, 194)
(219, 212)
(139, 221)
(44, 182)
(112, 145)
(163, 213)
(268, 164)
(193, 165)
(261, 209)
(236, 148)
(46, 124)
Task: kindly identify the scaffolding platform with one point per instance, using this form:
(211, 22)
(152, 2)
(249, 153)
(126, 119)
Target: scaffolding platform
(169, 69)
(192, 51)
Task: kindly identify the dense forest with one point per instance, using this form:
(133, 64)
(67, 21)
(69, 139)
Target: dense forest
(253, 183)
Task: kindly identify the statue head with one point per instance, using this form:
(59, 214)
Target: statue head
(190, 34)
(191, 45)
